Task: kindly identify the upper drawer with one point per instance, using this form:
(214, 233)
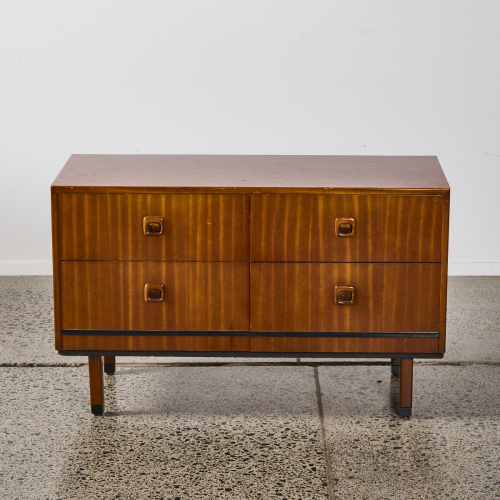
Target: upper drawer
(385, 228)
(111, 227)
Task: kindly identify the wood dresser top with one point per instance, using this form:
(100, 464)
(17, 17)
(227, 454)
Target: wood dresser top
(252, 174)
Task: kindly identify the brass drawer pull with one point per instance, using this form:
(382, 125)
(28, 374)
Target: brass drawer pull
(152, 226)
(344, 295)
(154, 292)
(345, 227)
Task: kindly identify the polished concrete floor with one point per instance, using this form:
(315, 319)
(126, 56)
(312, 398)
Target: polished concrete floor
(191, 428)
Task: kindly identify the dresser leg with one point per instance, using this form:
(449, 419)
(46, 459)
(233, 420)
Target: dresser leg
(395, 366)
(109, 365)
(96, 385)
(405, 387)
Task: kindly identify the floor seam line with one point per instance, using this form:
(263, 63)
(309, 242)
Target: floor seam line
(256, 364)
(323, 434)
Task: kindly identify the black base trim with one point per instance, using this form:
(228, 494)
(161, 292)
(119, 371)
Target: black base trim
(395, 370)
(404, 412)
(97, 409)
(109, 368)
(246, 354)
(229, 333)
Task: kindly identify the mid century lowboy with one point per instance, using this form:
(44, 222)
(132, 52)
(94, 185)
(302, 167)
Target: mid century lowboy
(220, 255)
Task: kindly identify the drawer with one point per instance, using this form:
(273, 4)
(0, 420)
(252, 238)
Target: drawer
(385, 228)
(288, 297)
(154, 343)
(197, 296)
(359, 344)
(111, 227)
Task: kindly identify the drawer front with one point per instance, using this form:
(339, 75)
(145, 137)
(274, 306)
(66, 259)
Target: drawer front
(305, 228)
(344, 344)
(152, 343)
(302, 297)
(112, 227)
(196, 296)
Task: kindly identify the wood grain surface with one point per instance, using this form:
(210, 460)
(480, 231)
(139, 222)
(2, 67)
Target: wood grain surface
(220, 211)
(301, 228)
(344, 345)
(250, 173)
(154, 343)
(55, 270)
(110, 227)
(405, 383)
(198, 296)
(300, 297)
(96, 380)
(444, 272)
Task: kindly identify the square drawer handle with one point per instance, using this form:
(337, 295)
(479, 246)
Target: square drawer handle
(152, 225)
(345, 294)
(154, 292)
(345, 227)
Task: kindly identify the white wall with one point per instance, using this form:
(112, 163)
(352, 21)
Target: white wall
(249, 76)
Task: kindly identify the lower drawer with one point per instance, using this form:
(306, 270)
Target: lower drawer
(359, 344)
(196, 296)
(154, 343)
(303, 297)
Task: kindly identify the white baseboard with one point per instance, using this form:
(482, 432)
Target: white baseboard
(44, 268)
(25, 268)
(474, 269)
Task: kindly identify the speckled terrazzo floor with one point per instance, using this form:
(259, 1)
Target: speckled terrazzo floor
(214, 432)
(249, 430)
(450, 448)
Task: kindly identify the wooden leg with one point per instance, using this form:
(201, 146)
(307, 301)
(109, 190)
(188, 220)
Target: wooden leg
(395, 366)
(96, 385)
(109, 365)
(405, 387)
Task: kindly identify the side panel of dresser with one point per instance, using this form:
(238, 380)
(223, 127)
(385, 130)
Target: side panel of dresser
(444, 272)
(55, 267)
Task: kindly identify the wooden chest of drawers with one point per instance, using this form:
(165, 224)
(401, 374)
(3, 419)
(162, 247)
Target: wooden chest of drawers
(293, 256)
